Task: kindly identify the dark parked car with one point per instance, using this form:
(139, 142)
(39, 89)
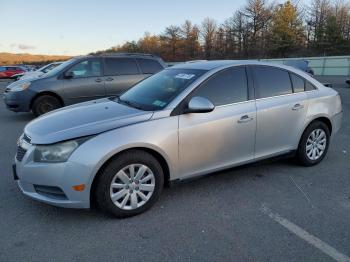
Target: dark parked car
(81, 79)
(9, 71)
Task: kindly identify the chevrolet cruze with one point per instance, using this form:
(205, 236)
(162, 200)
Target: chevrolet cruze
(185, 121)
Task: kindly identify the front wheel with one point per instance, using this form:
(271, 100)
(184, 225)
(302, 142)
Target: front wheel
(130, 184)
(44, 104)
(314, 144)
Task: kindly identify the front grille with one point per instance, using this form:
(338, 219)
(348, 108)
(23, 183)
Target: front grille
(20, 153)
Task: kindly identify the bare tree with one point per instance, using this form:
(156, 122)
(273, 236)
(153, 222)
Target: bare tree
(208, 30)
(258, 14)
(190, 34)
(171, 39)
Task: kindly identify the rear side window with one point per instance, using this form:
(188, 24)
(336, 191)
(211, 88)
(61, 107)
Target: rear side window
(149, 66)
(298, 83)
(225, 87)
(272, 81)
(120, 66)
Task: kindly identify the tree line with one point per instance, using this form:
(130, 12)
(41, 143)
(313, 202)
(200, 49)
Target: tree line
(260, 29)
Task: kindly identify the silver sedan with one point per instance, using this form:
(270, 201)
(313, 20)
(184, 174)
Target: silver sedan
(185, 121)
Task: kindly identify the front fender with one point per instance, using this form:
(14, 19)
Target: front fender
(160, 135)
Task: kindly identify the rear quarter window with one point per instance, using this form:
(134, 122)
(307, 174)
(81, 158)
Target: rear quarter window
(298, 83)
(149, 66)
(309, 86)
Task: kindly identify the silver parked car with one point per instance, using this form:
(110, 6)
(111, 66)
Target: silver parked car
(185, 121)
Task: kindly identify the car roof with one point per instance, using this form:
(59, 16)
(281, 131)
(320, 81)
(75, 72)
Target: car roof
(214, 64)
(135, 55)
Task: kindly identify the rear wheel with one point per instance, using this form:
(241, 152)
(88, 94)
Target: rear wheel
(314, 144)
(44, 104)
(130, 184)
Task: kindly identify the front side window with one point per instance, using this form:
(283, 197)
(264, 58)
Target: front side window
(157, 91)
(120, 66)
(225, 87)
(272, 81)
(86, 68)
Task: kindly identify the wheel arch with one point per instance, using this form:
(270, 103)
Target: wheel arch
(322, 118)
(161, 159)
(50, 93)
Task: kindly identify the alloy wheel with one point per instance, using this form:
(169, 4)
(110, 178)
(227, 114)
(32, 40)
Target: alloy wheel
(316, 144)
(132, 186)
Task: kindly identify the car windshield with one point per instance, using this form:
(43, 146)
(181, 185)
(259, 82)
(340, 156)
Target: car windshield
(2, 69)
(59, 68)
(157, 91)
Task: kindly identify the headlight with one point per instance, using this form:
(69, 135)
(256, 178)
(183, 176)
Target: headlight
(59, 152)
(19, 87)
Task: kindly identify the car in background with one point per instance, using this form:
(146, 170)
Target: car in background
(301, 64)
(187, 120)
(36, 73)
(9, 71)
(80, 79)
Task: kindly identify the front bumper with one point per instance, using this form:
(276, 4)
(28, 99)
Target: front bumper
(18, 101)
(42, 181)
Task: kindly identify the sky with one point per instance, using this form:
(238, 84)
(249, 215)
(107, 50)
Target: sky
(76, 27)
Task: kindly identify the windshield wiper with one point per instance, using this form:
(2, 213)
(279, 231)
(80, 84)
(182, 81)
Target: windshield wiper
(128, 103)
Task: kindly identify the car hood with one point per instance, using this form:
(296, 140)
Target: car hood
(83, 119)
(30, 75)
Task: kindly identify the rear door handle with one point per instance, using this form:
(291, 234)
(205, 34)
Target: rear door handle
(98, 80)
(297, 107)
(245, 119)
(109, 79)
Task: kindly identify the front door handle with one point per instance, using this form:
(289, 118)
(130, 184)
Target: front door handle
(245, 119)
(297, 107)
(109, 79)
(98, 80)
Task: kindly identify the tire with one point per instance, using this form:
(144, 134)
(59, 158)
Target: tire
(312, 147)
(44, 104)
(126, 194)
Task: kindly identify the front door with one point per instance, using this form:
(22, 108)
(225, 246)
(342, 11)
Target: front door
(225, 136)
(85, 82)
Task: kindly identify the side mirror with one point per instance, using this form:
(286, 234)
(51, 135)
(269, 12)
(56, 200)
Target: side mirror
(199, 104)
(68, 75)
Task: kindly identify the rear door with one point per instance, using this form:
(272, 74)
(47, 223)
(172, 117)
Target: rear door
(281, 111)
(86, 82)
(120, 74)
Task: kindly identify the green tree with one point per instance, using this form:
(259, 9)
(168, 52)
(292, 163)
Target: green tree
(286, 31)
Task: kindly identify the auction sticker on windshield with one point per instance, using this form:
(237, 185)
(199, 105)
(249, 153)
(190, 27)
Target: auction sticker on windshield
(185, 76)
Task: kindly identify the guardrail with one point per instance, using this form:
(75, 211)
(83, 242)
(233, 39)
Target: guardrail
(322, 66)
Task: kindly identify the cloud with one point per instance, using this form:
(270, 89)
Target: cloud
(25, 47)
